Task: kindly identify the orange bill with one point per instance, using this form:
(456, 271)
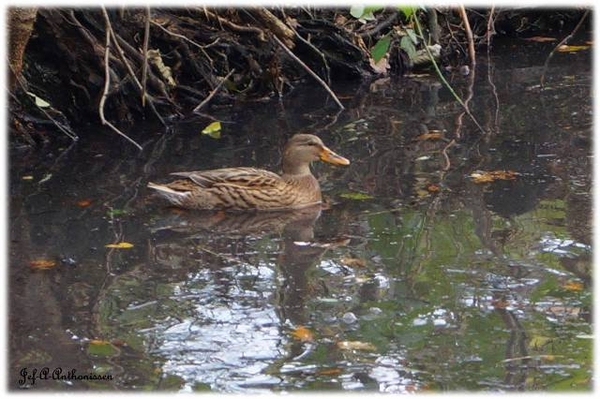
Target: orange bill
(327, 155)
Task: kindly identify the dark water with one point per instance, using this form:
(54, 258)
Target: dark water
(415, 278)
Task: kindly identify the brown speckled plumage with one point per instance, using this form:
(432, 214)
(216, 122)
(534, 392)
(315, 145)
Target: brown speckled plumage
(250, 188)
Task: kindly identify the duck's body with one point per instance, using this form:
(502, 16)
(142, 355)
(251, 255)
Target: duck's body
(255, 189)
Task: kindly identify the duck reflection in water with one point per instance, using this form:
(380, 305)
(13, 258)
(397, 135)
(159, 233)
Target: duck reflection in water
(226, 238)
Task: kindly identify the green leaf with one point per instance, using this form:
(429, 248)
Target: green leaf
(213, 130)
(380, 48)
(101, 349)
(116, 212)
(413, 36)
(356, 196)
(407, 45)
(364, 12)
(408, 11)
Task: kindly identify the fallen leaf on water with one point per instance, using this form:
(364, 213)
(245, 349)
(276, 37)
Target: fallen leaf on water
(353, 262)
(42, 264)
(488, 177)
(433, 135)
(539, 39)
(330, 371)
(120, 245)
(433, 188)
(84, 203)
(356, 345)
(98, 347)
(303, 334)
(574, 286)
(213, 130)
(356, 196)
(571, 49)
(538, 341)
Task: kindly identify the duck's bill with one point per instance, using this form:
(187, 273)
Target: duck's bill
(327, 155)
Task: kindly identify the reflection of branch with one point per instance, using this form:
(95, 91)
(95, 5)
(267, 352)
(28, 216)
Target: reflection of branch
(562, 42)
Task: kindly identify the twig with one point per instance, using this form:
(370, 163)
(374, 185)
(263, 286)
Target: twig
(214, 91)
(562, 42)
(445, 153)
(490, 32)
(253, 29)
(185, 38)
(463, 15)
(390, 20)
(310, 71)
(141, 87)
(107, 84)
(145, 50)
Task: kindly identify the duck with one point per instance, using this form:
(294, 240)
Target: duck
(247, 188)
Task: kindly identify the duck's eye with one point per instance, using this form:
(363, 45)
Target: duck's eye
(312, 143)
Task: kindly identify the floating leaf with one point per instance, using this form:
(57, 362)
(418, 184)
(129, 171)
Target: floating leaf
(116, 212)
(381, 48)
(433, 188)
(353, 262)
(429, 136)
(84, 203)
(573, 286)
(539, 39)
(28, 177)
(42, 264)
(303, 334)
(571, 49)
(356, 196)
(330, 371)
(213, 130)
(39, 102)
(356, 345)
(538, 341)
(480, 177)
(102, 348)
(120, 245)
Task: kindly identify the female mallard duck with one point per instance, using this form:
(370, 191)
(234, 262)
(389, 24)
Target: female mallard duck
(257, 189)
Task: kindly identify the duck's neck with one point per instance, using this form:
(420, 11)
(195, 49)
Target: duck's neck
(297, 169)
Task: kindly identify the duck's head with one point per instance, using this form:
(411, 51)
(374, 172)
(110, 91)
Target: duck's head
(302, 149)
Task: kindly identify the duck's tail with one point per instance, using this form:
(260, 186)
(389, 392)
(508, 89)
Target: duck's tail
(173, 196)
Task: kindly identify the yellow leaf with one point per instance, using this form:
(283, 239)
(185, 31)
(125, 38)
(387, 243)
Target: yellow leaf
(303, 334)
(42, 264)
(120, 245)
(99, 342)
(432, 135)
(538, 341)
(571, 49)
(356, 345)
(213, 130)
(490, 176)
(574, 286)
(28, 177)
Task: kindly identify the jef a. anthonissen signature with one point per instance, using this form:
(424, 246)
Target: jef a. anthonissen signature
(28, 377)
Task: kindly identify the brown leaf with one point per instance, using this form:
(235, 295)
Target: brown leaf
(353, 262)
(303, 334)
(573, 286)
(433, 135)
(330, 371)
(433, 188)
(84, 203)
(42, 264)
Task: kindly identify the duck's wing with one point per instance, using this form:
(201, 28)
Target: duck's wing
(240, 177)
